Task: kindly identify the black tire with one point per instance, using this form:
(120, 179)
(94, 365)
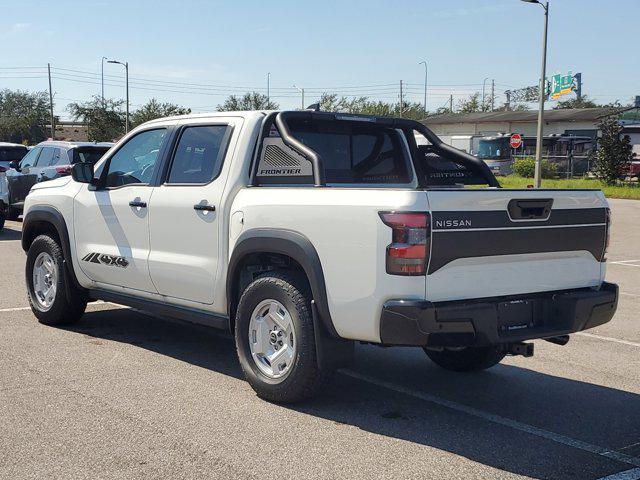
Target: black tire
(470, 359)
(304, 378)
(12, 213)
(1, 219)
(69, 302)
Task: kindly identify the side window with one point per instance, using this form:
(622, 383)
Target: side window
(199, 155)
(31, 157)
(135, 161)
(45, 158)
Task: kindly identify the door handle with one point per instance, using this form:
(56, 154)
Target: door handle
(204, 207)
(138, 203)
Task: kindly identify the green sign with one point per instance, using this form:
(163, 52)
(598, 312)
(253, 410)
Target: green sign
(560, 85)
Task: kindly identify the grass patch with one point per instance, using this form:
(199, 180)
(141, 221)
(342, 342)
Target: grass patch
(631, 191)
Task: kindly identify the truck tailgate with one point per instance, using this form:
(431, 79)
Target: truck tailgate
(494, 242)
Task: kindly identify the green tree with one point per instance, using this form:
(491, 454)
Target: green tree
(154, 109)
(582, 102)
(471, 104)
(105, 119)
(331, 102)
(614, 153)
(23, 116)
(249, 101)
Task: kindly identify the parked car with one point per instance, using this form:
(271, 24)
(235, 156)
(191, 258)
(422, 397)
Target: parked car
(46, 161)
(10, 152)
(305, 232)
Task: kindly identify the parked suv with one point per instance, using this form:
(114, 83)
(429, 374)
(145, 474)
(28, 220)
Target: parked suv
(46, 161)
(304, 232)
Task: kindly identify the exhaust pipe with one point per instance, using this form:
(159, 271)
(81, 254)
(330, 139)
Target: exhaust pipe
(559, 340)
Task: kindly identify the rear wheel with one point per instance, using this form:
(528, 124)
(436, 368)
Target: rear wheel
(1, 219)
(468, 359)
(275, 339)
(12, 213)
(54, 299)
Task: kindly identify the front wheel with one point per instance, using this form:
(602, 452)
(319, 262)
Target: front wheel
(468, 359)
(275, 339)
(54, 300)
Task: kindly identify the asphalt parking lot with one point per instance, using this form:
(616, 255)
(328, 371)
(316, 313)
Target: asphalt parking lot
(127, 395)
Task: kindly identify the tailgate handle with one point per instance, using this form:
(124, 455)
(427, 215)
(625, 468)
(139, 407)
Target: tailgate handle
(538, 209)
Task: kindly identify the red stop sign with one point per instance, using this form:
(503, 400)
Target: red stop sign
(516, 140)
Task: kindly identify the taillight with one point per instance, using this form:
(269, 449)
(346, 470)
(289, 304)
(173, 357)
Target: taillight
(408, 252)
(65, 170)
(607, 233)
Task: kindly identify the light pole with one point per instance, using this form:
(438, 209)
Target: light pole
(102, 76)
(424, 62)
(541, 93)
(483, 82)
(126, 70)
(301, 90)
(268, 82)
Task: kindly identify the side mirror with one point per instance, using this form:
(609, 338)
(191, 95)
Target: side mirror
(15, 164)
(82, 172)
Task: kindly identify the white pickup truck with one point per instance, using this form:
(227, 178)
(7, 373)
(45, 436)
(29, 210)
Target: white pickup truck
(303, 232)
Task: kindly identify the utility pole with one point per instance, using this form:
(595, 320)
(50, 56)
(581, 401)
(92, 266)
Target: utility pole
(493, 94)
(268, 82)
(301, 90)
(451, 103)
(401, 100)
(425, 85)
(53, 123)
(541, 93)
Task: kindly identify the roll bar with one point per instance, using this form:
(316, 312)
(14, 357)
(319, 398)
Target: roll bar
(281, 120)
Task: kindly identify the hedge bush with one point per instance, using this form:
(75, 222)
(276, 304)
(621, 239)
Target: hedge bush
(526, 167)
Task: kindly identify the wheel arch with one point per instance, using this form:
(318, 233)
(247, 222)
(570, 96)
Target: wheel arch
(42, 219)
(287, 243)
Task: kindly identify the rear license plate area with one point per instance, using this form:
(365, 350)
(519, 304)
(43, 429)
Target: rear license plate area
(515, 315)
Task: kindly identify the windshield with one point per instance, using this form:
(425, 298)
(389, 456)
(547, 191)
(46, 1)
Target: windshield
(88, 154)
(495, 148)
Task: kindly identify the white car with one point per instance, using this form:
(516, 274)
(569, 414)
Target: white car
(304, 232)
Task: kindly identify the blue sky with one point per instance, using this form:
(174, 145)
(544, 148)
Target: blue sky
(350, 47)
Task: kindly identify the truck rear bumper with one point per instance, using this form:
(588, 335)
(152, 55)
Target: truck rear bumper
(499, 320)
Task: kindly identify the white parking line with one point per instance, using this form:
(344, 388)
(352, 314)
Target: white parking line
(14, 309)
(633, 474)
(497, 419)
(609, 339)
(20, 309)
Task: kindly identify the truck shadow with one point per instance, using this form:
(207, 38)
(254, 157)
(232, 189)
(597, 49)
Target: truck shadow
(590, 413)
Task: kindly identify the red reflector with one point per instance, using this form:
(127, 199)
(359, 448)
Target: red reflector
(408, 251)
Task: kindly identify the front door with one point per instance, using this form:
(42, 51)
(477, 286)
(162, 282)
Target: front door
(185, 214)
(111, 223)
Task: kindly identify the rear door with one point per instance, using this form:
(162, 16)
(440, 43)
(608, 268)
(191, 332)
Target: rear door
(185, 212)
(494, 242)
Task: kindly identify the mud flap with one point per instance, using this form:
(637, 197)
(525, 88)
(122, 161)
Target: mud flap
(332, 352)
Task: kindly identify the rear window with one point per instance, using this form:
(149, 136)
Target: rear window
(356, 153)
(87, 154)
(9, 154)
